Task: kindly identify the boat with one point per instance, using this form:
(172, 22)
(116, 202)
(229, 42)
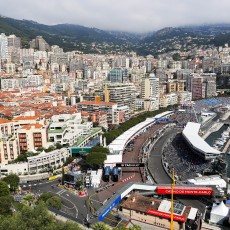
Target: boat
(225, 134)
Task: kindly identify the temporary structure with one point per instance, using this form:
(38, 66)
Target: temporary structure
(219, 213)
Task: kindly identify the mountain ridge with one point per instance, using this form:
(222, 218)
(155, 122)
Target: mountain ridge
(86, 39)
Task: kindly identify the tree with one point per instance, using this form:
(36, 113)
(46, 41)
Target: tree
(36, 218)
(40, 149)
(58, 146)
(28, 199)
(12, 222)
(69, 225)
(95, 124)
(51, 200)
(99, 149)
(95, 159)
(5, 205)
(100, 226)
(4, 189)
(79, 184)
(21, 158)
(54, 202)
(51, 148)
(176, 57)
(13, 181)
(134, 227)
(68, 160)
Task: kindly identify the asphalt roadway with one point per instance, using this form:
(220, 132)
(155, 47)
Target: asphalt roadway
(154, 162)
(72, 204)
(161, 177)
(78, 207)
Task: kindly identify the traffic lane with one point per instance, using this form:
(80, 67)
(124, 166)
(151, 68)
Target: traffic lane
(108, 193)
(129, 174)
(40, 188)
(79, 202)
(154, 162)
(39, 183)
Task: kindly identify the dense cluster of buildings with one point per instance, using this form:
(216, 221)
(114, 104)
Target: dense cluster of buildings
(51, 96)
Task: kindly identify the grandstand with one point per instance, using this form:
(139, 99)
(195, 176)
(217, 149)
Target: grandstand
(117, 147)
(197, 144)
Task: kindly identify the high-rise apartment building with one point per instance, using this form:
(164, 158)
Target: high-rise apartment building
(150, 88)
(118, 75)
(3, 47)
(122, 94)
(99, 106)
(8, 144)
(198, 88)
(202, 86)
(39, 43)
(14, 41)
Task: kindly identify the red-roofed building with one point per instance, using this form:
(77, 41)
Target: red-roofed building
(32, 136)
(100, 106)
(8, 150)
(6, 127)
(156, 212)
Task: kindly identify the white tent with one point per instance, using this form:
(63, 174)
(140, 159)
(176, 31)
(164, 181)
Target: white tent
(219, 213)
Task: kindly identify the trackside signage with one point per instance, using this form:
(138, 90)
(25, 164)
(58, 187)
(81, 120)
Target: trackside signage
(130, 165)
(166, 215)
(109, 208)
(185, 191)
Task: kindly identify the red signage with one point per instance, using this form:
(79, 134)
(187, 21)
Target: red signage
(166, 215)
(202, 191)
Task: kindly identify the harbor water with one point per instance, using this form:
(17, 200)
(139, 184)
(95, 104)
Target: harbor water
(213, 137)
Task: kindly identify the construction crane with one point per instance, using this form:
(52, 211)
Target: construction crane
(172, 199)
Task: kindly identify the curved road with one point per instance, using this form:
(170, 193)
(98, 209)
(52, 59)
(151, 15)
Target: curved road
(154, 163)
(159, 174)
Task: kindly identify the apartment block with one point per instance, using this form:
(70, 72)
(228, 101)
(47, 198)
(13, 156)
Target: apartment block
(168, 99)
(198, 88)
(6, 127)
(150, 88)
(32, 136)
(48, 160)
(122, 94)
(67, 128)
(99, 106)
(39, 43)
(8, 150)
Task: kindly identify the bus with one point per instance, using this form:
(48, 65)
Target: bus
(115, 174)
(106, 173)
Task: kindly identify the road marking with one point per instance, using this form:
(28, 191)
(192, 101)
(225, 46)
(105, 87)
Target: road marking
(96, 201)
(61, 191)
(71, 203)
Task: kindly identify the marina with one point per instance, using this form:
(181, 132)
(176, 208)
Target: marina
(221, 140)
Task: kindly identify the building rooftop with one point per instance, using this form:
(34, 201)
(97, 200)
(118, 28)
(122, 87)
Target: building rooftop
(32, 126)
(95, 103)
(191, 133)
(25, 118)
(3, 121)
(143, 204)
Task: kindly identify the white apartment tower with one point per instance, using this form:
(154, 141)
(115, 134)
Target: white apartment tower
(3, 48)
(150, 88)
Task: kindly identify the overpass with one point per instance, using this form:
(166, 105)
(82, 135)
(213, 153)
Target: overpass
(158, 189)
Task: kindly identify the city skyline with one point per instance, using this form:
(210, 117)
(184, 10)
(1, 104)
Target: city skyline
(130, 16)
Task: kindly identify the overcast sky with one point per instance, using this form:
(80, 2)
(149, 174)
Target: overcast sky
(123, 15)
